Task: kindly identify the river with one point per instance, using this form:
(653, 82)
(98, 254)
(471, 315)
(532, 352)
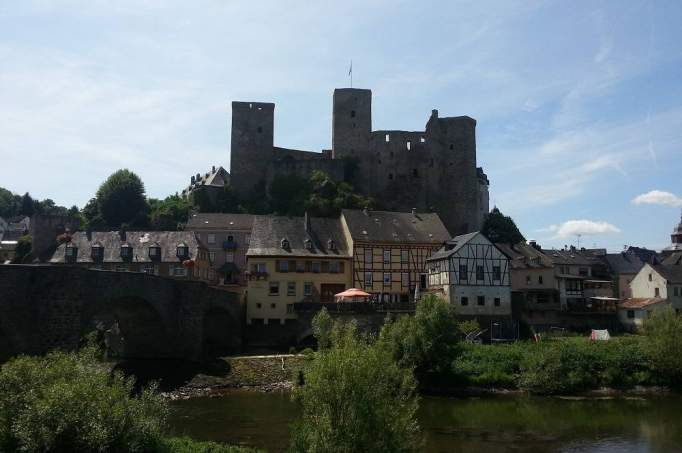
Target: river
(482, 425)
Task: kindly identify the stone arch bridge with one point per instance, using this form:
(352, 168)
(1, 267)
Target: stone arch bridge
(53, 307)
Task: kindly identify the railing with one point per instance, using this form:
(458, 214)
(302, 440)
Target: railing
(591, 306)
(253, 275)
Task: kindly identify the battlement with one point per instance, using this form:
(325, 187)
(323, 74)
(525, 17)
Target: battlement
(253, 106)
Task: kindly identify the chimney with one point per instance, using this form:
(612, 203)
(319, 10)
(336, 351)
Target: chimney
(198, 177)
(192, 180)
(122, 234)
(213, 169)
(88, 234)
(306, 222)
(434, 113)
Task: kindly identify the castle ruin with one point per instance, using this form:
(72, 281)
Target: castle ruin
(430, 170)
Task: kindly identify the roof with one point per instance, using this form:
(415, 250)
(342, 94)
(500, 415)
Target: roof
(672, 273)
(636, 303)
(524, 256)
(674, 259)
(138, 240)
(269, 231)
(220, 221)
(217, 177)
(388, 226)
(624, 262)
(568, 257)
(452, 246)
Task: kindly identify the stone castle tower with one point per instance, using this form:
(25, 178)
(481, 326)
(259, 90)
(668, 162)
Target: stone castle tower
(430, 170)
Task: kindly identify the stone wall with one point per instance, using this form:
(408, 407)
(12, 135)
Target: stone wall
(53, 307)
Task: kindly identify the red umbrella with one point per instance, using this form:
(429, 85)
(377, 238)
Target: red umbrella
(352, 294)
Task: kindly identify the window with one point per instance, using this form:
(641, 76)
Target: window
(657, 292)
(210, 238)
(464, 300)
(387, 257)
(404, 257)
(583, 271)
(650, 277)
(452, 146)
(368, 279)
(463, 273)
(497, 301)
(291, 289)
(540, 280)
(528, 280)
(480, 300)
(181, 252)
(71, 251)
(352, 113)
(479, 273)
(259, 305)
(331, 245)
(405, 279)
(148, 269)
(408, 145)
(283, 266)
(123, 268)
(308, 289)
(248, 239)
(415, 173)
(368, 257)
(179, 271)
(308, 244)
(387, 278)
(127, 251)
(334, 267)
(229, 256)
(259, 268)
(290, 308)
(387, 138)
(497, 273)
(274, 288)
(300, 266)
(284, 243)
(260, 130)
(316, 267)
(211, 257)
(273, 305)
(676, 291)
(97, 252)
(631, 314)
(390, 176)
(230, 238)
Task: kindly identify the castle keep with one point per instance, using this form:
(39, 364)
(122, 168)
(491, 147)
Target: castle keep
(430, 170)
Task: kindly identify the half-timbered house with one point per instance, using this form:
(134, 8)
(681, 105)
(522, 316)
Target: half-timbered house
(390, 250)
(473, 274)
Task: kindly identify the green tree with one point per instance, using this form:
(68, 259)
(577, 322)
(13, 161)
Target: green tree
(9, 205)
(170, 213)
(92, 218)
(70, 402)
(288, 195)
(121, 199)
(322, 328)
(355, 399)
(27, 205)
(663, 331)
(327, 197)
(500, 228)
(427, 342)
(23, 250)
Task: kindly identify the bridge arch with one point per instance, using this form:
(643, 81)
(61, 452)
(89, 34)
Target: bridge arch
(218, 333)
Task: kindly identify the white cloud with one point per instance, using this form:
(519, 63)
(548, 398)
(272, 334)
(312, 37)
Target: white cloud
(583, 227)
(658, 197)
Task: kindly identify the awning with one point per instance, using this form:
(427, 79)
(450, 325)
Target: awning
(228, 267)
(352, 294)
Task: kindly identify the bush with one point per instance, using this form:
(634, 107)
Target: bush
(355, 398)
(427, 342)
(664, 344)
(187, 445)
(490, 365)
(69, 402)
(322, 327)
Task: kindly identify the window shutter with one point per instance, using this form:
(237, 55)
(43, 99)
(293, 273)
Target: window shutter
(277, 266)
(308, 266)
(341, 267)
(325, 266)
(292, 265)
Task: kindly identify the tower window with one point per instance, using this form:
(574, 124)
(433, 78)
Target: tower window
(352, 113)
(422, 139)
(452, 146)
(415, 173)
(260, 130)
(388, 138)
(390, 176)
(409, 145)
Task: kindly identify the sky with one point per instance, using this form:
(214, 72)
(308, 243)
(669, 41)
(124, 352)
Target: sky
(578, 104)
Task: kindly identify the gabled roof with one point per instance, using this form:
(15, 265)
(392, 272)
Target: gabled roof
(220, 221)
(140, 241)
(674, 259)
(568, 257)
(630, 304)
(388, 226)
(453, 245)
(624, 262)
(672, 273)
(269, 231)
(524, 256)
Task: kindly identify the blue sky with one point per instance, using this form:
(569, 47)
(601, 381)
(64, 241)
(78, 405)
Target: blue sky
(579, 104)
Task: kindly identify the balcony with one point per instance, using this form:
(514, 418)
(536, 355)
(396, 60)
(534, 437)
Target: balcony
(229, 245)
(254, 275)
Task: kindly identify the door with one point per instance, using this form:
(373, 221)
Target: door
(327, 291)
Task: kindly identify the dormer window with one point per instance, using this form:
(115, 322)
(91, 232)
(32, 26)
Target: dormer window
(284, 243)
(70, 252)
(182, 251)
(154, 252)
(331, 245)
(97, 252)
(308, 244)
(126, 251)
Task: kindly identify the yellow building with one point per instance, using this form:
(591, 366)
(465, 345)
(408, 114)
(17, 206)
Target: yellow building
(390, 249)
(294, 260)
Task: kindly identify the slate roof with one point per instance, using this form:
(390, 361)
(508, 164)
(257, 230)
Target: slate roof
(624, 262)
(220, 221)
(388, 226)
(451, 246)
(524, 256)
(138, 240)
(269, 230)
(217, 177)
(635, 303)
(568, 257)
(672, 273)
(674, 259)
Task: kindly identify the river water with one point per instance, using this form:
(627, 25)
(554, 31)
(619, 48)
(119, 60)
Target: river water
(482, 425)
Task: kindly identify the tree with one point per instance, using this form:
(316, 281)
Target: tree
(322, 328)
(288, 195)
(121, 199)
(92, 217)
(355, 398)
(8, 205)
(170, 213)
(327, 197)
(501, 229)
(663, 331)
(23, 249)
(427, 342)
(27, 205)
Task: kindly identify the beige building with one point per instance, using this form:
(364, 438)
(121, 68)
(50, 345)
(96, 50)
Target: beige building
(175, 254)
(662, 281)
(390, 250)
(227, 237)
(294, 261)
(633, 312)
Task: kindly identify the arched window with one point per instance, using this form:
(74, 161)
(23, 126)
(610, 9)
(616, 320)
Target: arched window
(308, 244)
(284, 243)
(182, 251)
(331, 245)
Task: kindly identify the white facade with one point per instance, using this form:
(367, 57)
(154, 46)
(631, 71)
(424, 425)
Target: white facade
(473, 275)
(649, 283)
(633, 317)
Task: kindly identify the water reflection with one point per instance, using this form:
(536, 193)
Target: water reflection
(482, 425)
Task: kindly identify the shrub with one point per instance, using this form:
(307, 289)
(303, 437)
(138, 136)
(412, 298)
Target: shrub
(490, 365)
(664, 344)
(355, 398)
(69, 402)
(322, 326)
(187, 445)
